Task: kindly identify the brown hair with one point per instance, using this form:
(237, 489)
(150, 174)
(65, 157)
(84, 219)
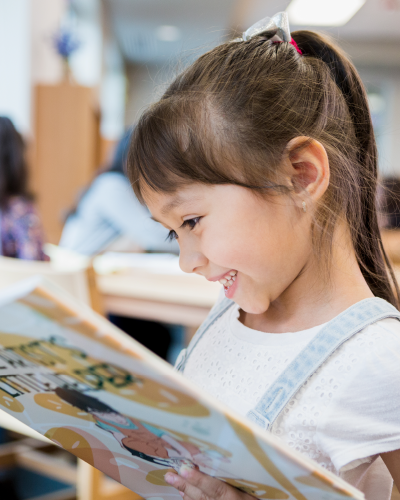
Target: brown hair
(13, 167)
(227, 119)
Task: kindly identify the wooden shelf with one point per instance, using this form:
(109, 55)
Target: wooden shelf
(66, 135)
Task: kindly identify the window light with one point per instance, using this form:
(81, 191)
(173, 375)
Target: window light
(322, 12)
(168, 33)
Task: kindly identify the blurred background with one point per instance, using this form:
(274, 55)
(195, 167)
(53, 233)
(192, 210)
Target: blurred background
(74, 78)
(73, 110)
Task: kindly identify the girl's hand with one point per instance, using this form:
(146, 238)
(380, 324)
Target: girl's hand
(194, 485)
(392, 462)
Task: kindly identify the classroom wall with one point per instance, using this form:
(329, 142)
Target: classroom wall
(387, 79)
(46, 65)
(394, 124)
(15, 67)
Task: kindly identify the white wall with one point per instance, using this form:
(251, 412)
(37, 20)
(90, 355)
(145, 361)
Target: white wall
(15, 62)
(46, 16)
(28, 56)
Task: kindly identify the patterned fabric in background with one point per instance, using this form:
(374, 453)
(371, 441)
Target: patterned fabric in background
(21, 231)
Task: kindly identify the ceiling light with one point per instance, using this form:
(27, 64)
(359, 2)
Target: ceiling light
(168, 33)
(322, 12)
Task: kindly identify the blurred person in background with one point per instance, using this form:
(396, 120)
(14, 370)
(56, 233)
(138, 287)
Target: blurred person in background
(20, 227)
(108, 215)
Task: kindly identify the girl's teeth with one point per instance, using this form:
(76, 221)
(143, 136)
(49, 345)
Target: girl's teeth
(229, 279)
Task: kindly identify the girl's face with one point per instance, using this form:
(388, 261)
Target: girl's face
(227, 230)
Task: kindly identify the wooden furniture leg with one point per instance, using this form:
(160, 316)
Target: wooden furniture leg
(94, 485)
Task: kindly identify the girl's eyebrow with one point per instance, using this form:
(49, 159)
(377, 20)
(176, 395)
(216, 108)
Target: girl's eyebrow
(178, 201)
(171, 205)
(168, 207)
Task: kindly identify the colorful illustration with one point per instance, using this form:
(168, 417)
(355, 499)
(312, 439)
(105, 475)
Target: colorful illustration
(139, 438)
(73, 377)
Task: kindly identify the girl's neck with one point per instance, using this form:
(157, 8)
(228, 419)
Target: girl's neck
(313, 299)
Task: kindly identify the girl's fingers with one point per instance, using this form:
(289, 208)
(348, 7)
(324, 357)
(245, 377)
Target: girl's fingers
(198, 486)
(186, 490)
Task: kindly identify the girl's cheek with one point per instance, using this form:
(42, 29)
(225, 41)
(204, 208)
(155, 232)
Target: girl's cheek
(213, 249)
(225, 251)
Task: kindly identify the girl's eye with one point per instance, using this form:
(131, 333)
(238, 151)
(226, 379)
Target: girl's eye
(191, 223)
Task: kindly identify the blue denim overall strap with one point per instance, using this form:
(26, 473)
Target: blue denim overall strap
(216, 312)
(317, 351)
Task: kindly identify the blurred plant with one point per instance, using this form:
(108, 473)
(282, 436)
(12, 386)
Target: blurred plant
(66, 42)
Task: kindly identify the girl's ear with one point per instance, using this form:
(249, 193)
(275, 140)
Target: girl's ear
(308, 166)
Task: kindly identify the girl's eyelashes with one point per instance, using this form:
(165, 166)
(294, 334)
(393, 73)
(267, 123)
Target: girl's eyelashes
(172, 236)
(190, 223)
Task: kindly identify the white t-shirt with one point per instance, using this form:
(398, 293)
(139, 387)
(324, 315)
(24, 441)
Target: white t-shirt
(344, 416)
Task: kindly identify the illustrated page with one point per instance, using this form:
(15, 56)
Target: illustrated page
(83, 389)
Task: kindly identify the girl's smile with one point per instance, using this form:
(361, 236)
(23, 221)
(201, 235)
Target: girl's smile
(230, 286)
(227, 280)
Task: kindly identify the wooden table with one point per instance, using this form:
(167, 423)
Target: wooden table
(178, 299)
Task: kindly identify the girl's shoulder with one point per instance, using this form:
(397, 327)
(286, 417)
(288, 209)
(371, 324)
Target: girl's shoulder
(380, 336)
(372, 353)
(357, 395)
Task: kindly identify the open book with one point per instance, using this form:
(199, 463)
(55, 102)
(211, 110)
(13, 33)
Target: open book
(68, 373)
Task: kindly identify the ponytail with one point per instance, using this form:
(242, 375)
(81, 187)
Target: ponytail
(371, 255)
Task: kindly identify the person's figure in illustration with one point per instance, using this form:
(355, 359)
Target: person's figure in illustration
(140, 438)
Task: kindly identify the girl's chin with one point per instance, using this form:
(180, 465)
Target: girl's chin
(246, 298)
(251, 307)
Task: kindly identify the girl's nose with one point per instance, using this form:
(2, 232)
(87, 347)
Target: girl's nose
(191, 260)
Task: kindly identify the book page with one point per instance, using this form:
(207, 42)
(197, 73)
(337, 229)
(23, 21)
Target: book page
(99, 395)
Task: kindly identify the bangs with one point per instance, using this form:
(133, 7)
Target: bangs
(181, 142)
(170, 149)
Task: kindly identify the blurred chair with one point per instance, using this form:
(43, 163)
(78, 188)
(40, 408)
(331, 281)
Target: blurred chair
(72, 272)
(75, 282)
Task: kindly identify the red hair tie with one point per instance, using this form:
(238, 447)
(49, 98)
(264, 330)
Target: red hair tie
(292, 42)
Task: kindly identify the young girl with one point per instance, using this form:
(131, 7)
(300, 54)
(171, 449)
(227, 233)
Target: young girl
(260, 159)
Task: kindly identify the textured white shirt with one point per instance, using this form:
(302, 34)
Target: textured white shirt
(345, 415)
